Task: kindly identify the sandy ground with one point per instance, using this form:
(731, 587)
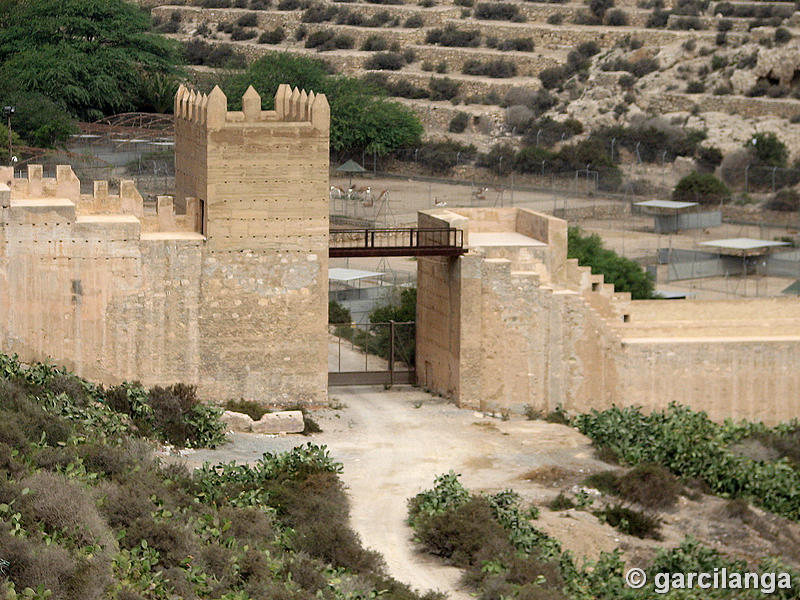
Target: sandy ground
(394, 443)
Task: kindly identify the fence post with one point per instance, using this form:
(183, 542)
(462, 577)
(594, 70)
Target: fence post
(391, 352)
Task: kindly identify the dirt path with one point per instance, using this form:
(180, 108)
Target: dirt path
(394, 443)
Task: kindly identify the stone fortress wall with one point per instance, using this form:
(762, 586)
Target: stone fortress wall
(509, 325)
(228, 292)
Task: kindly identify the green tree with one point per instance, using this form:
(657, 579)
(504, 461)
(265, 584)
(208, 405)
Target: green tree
(700, 187)
(86, 55)
(625, 274)
(405, 335)
(338, 314)
(768, 150)
(361, 119)
(38, 120)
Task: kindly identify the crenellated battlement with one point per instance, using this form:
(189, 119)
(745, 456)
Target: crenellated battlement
(36, 199)
(291, 105)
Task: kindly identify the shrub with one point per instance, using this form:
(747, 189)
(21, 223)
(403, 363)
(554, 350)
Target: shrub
(658, 19)
(441, 67)
(338, 314)
(318, 13)
(290, 4)
(452, 36)
(385, 61)
(248, 20)
(239, 34)
(604, 481)
(689, 444)
(599, 7)
(561, 502)
(443, 88)
(458, 123)
(768, 149)
(687, 24)
(500, 159)
(248, 407)
(650, 485)
(695, 87)
(379, 19)
(276, 36)
(700, 187)
(440, 157)
(500, 11)
(588, 49)
(413, 22)
(461, 532)
(199, 52)
(708, 158)
(784, 200)
(551, 77)
(325, 39)
(782, 35)
(517, 45)
(498, 68)
(374, 43)
(555, 19)
(617, 18)
(630, 521)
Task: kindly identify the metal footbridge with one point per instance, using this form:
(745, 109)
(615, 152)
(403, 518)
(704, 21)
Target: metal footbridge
(396, 241)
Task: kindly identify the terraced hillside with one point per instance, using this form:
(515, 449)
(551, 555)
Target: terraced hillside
(729, 68)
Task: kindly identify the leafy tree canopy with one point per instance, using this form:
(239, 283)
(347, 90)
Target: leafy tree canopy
(768, 150)
(625, 274)
(360, 118)
(89, 56)
(700, 187)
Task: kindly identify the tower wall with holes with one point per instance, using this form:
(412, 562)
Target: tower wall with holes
(262, 178)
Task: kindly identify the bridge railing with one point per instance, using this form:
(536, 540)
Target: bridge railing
(397, 241)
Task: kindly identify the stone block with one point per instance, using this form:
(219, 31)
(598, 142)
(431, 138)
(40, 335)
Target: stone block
(237, 421)
(288, 421)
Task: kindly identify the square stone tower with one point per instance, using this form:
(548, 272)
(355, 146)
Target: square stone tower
(261, 178)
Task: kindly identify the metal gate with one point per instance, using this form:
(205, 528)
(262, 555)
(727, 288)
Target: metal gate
(371, 353)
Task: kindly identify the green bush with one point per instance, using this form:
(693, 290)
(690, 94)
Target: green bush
(708, 158)
(458, 123)
(617, 18)
(276, 36)
(497, 69)
(240, 33)
(452, 36)
(374, 43)
(500, 11)
(784, 200)
(625, 274)
(768, 150)
(700, 187)
(632, 522)
(443, 88)
(690, 445)
(561, 502)
(386, 61)
(338, 313)
(650, 485)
